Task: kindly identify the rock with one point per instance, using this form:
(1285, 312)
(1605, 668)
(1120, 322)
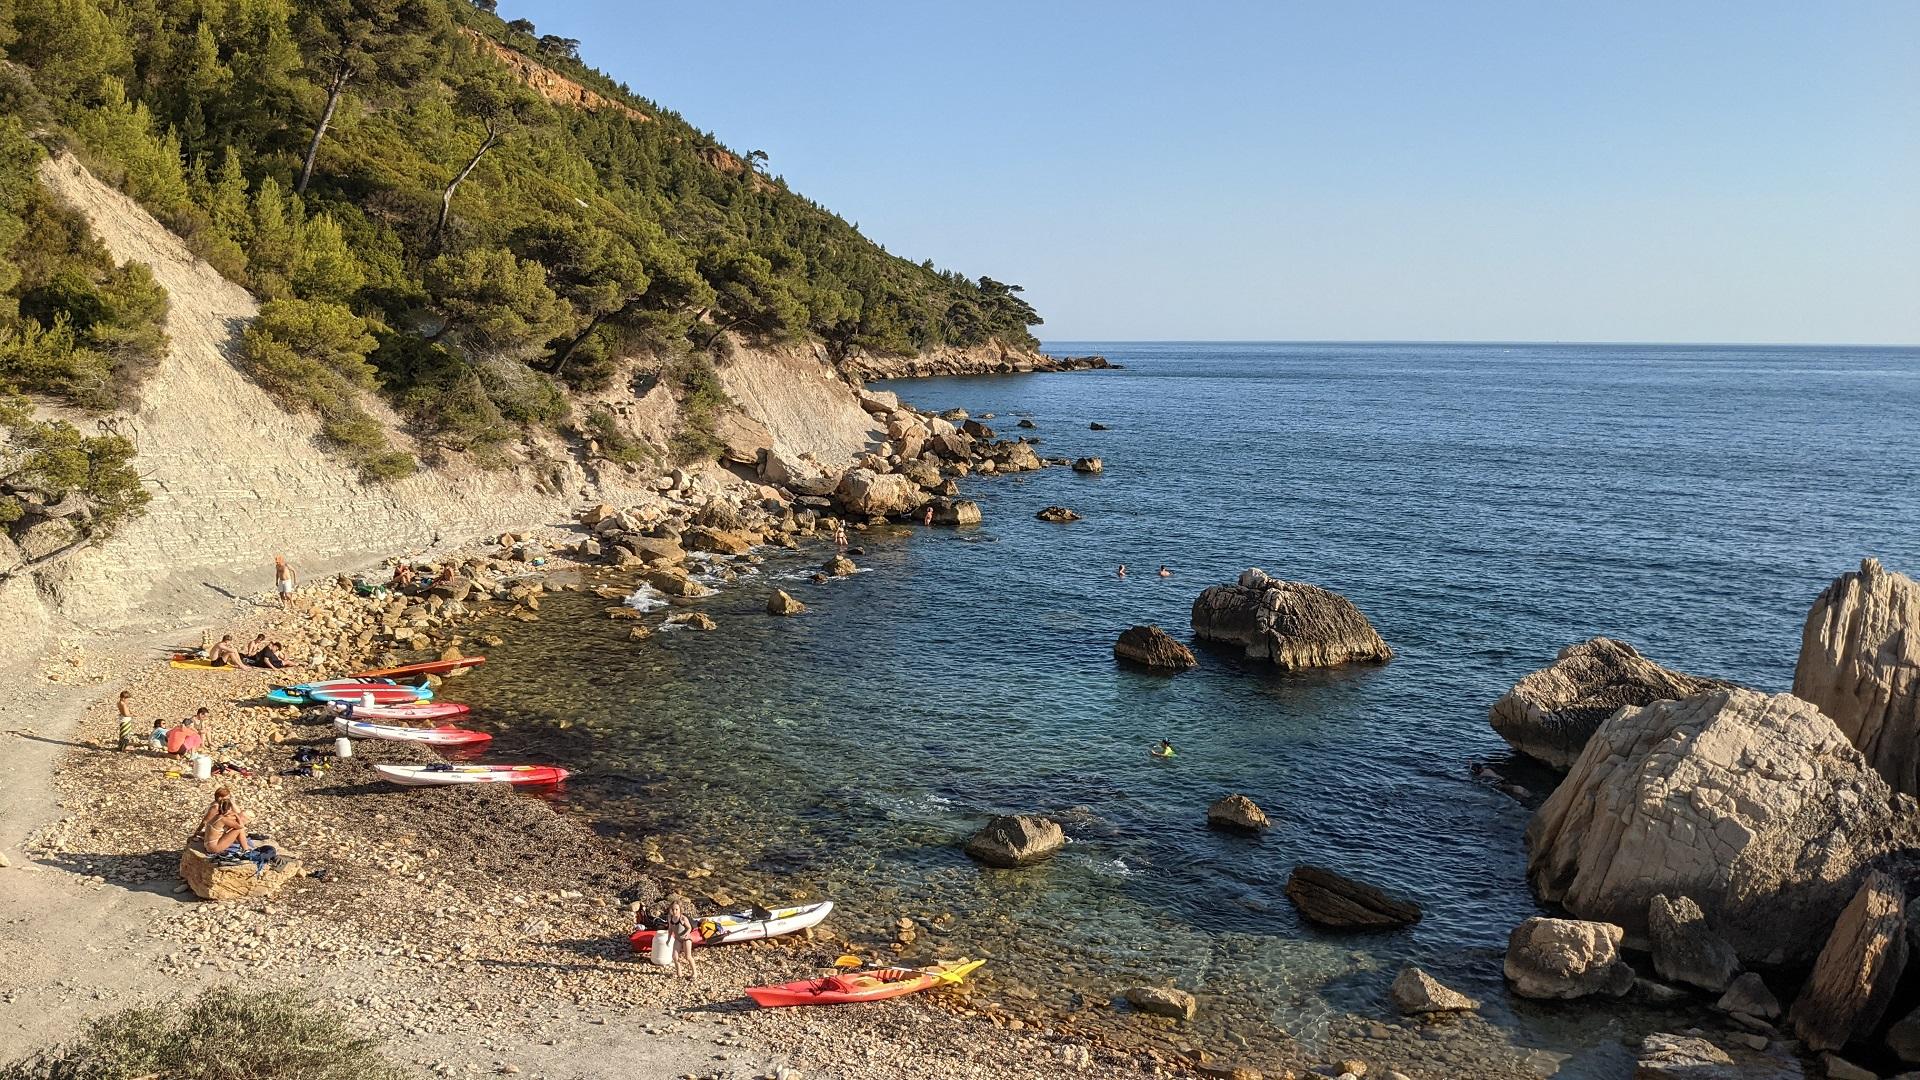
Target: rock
(1567, 958)
(1685, 950)
(976, 429)
(717, 541)
(1855, 976)
(1162, 1001)
(1550, 714)
(1903, 1038)
(1330, 900)
(1016, 840)
(880, 402)
(693, 620)
(1150, 646)
(596, 514)
(743, 440)
(1755, 807)
(924, 472)
(1098, 426)
(1749, 995)
(780, 603)
(839, 566)
(455, 588)
(213, 881)
(1860, 664)
(1839, 1068)
(675, 582)
(1058, 514)
(638, 633)
(1026, 422)
(801, 475)
(1654, 992)
(1020, 458)
(1416, 993)
(877, 494)
(1237, 813)
(654, 550)
(1294, 625)
(1089, 465)
(1673, 1057)
(956, 512)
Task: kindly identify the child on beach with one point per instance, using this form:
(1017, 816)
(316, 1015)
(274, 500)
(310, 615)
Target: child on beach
(125, 708)
(157, 738)
(680, 927)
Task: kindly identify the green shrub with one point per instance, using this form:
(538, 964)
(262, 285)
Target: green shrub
(702, 400)
(313, 355)
(224, 1034)
(615, 444)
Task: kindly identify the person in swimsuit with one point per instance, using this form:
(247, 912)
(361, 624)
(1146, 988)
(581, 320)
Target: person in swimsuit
(284, 579)
(1121, 571)
(680, 927)
(187, 737)
(1164, 572)
(225, 654)
(262, 653)
(124, 707)
(1163, 750)
(222, 798)
(223, 831)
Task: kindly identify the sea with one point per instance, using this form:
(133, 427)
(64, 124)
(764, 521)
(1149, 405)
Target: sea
(1485, 505)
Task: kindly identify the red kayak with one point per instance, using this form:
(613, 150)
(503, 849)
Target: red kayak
(428, 667)
(405, 713)
(862, 985)
(356, 693)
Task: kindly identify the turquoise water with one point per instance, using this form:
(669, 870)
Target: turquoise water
(1483, 505)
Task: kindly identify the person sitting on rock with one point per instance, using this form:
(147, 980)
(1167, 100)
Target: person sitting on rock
(225, 654)
(264, 654)
(224, 832)
(222, 797)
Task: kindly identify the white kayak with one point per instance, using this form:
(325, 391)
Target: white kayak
(444, 735)
(442, 776)
(745, 925)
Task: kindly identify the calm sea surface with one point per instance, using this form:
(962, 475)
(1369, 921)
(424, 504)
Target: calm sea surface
(1484, 505)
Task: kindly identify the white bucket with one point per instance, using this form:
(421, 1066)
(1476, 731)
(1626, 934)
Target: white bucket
(366, 697)
(202, 767)
(343, 747)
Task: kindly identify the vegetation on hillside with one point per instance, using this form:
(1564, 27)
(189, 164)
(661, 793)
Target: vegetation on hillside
(380, 161)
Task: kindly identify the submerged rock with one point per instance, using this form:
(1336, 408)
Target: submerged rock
(1150, 646)
(675, 582)
(1681, 1057)
(1293, 624)
(693, 620)
(1854, 979)
(1567, 958)
(1860, 663)
(1238, 813)
(1684, 949)
(1057, 514)
(1331, 900)
(1550, 714)
(1016, 840)
(1755, 807)
(1162, 1001)
(1416, 993)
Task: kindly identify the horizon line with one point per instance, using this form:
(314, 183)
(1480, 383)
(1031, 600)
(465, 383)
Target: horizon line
(1045, 342)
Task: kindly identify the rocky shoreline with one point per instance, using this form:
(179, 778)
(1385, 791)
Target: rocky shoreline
(995, 358)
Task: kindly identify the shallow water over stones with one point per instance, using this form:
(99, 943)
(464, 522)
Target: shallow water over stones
(1484, 506)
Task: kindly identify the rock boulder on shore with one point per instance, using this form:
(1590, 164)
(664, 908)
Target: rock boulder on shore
(236, 881)
(1860, 663)
(1550, 714)
(1293, 624)
(1567, 958)
(1755, 807)
(1152, 647)
(1331, 900)
(1162, 1001)
(1685, 949)
(1016, 840)
(1416, 993)
(1854, 979)
(873, 494)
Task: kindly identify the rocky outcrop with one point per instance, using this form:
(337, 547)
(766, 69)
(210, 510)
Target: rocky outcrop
(1016, 840)
(1549, 714)
(1327, 899)
(873, 494)
(1854, 979)
(839, 566)
(1058, 515)
(212, 880)
(1756, 807)
(548, 83)
(1566, 958)
(1292, 624)
(1681, 1057)
(1860, 663)
(1903, 1038)
(1237, 813)
(1162, 1001)
(781, 603)
(993, 358)
(1152, 647)
(1092, 465)
(956, 513)
(1416, 993)
(1685, 950)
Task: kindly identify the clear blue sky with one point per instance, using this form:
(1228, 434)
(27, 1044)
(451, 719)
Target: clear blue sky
(1636, 171)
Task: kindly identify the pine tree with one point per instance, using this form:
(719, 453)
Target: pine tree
(391, 42)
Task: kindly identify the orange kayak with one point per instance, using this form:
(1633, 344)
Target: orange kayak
(862, 985)
(428, 667)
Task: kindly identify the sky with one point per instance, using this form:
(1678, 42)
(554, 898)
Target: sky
(1527, 171)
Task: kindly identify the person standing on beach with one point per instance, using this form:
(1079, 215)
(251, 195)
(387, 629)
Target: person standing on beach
(680, 929)
(284, 579)
(125, 708)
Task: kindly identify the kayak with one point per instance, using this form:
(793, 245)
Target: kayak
(407, 711)
(744, 925)
(429, 667)
(443, 735)
(350, 693)
(855, 986)
(429, 776)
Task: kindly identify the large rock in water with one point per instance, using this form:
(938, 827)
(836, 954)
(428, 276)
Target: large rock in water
(1016, 840)
(1293, 624)
(1550, 714)
(1150, 646)
(1238, 813)
(1566, 958)
(1416, 993)
(1854, 979)
(1685, 949)
(1860, 663)
(878, 494)
(1755, 807)
(1328, 899)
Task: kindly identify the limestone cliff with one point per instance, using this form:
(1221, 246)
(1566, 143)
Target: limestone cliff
(1860, 663)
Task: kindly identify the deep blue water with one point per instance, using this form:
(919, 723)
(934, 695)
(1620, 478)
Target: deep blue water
(1484, 505)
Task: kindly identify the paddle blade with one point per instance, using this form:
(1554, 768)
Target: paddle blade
(847, 961)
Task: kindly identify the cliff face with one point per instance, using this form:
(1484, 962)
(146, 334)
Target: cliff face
(1860, 663)
(236, 479)
(548, 83)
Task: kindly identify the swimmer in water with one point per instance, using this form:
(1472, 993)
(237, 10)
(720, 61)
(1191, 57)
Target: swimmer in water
(1165, 749)
(1121, 571)
(1164, 572)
